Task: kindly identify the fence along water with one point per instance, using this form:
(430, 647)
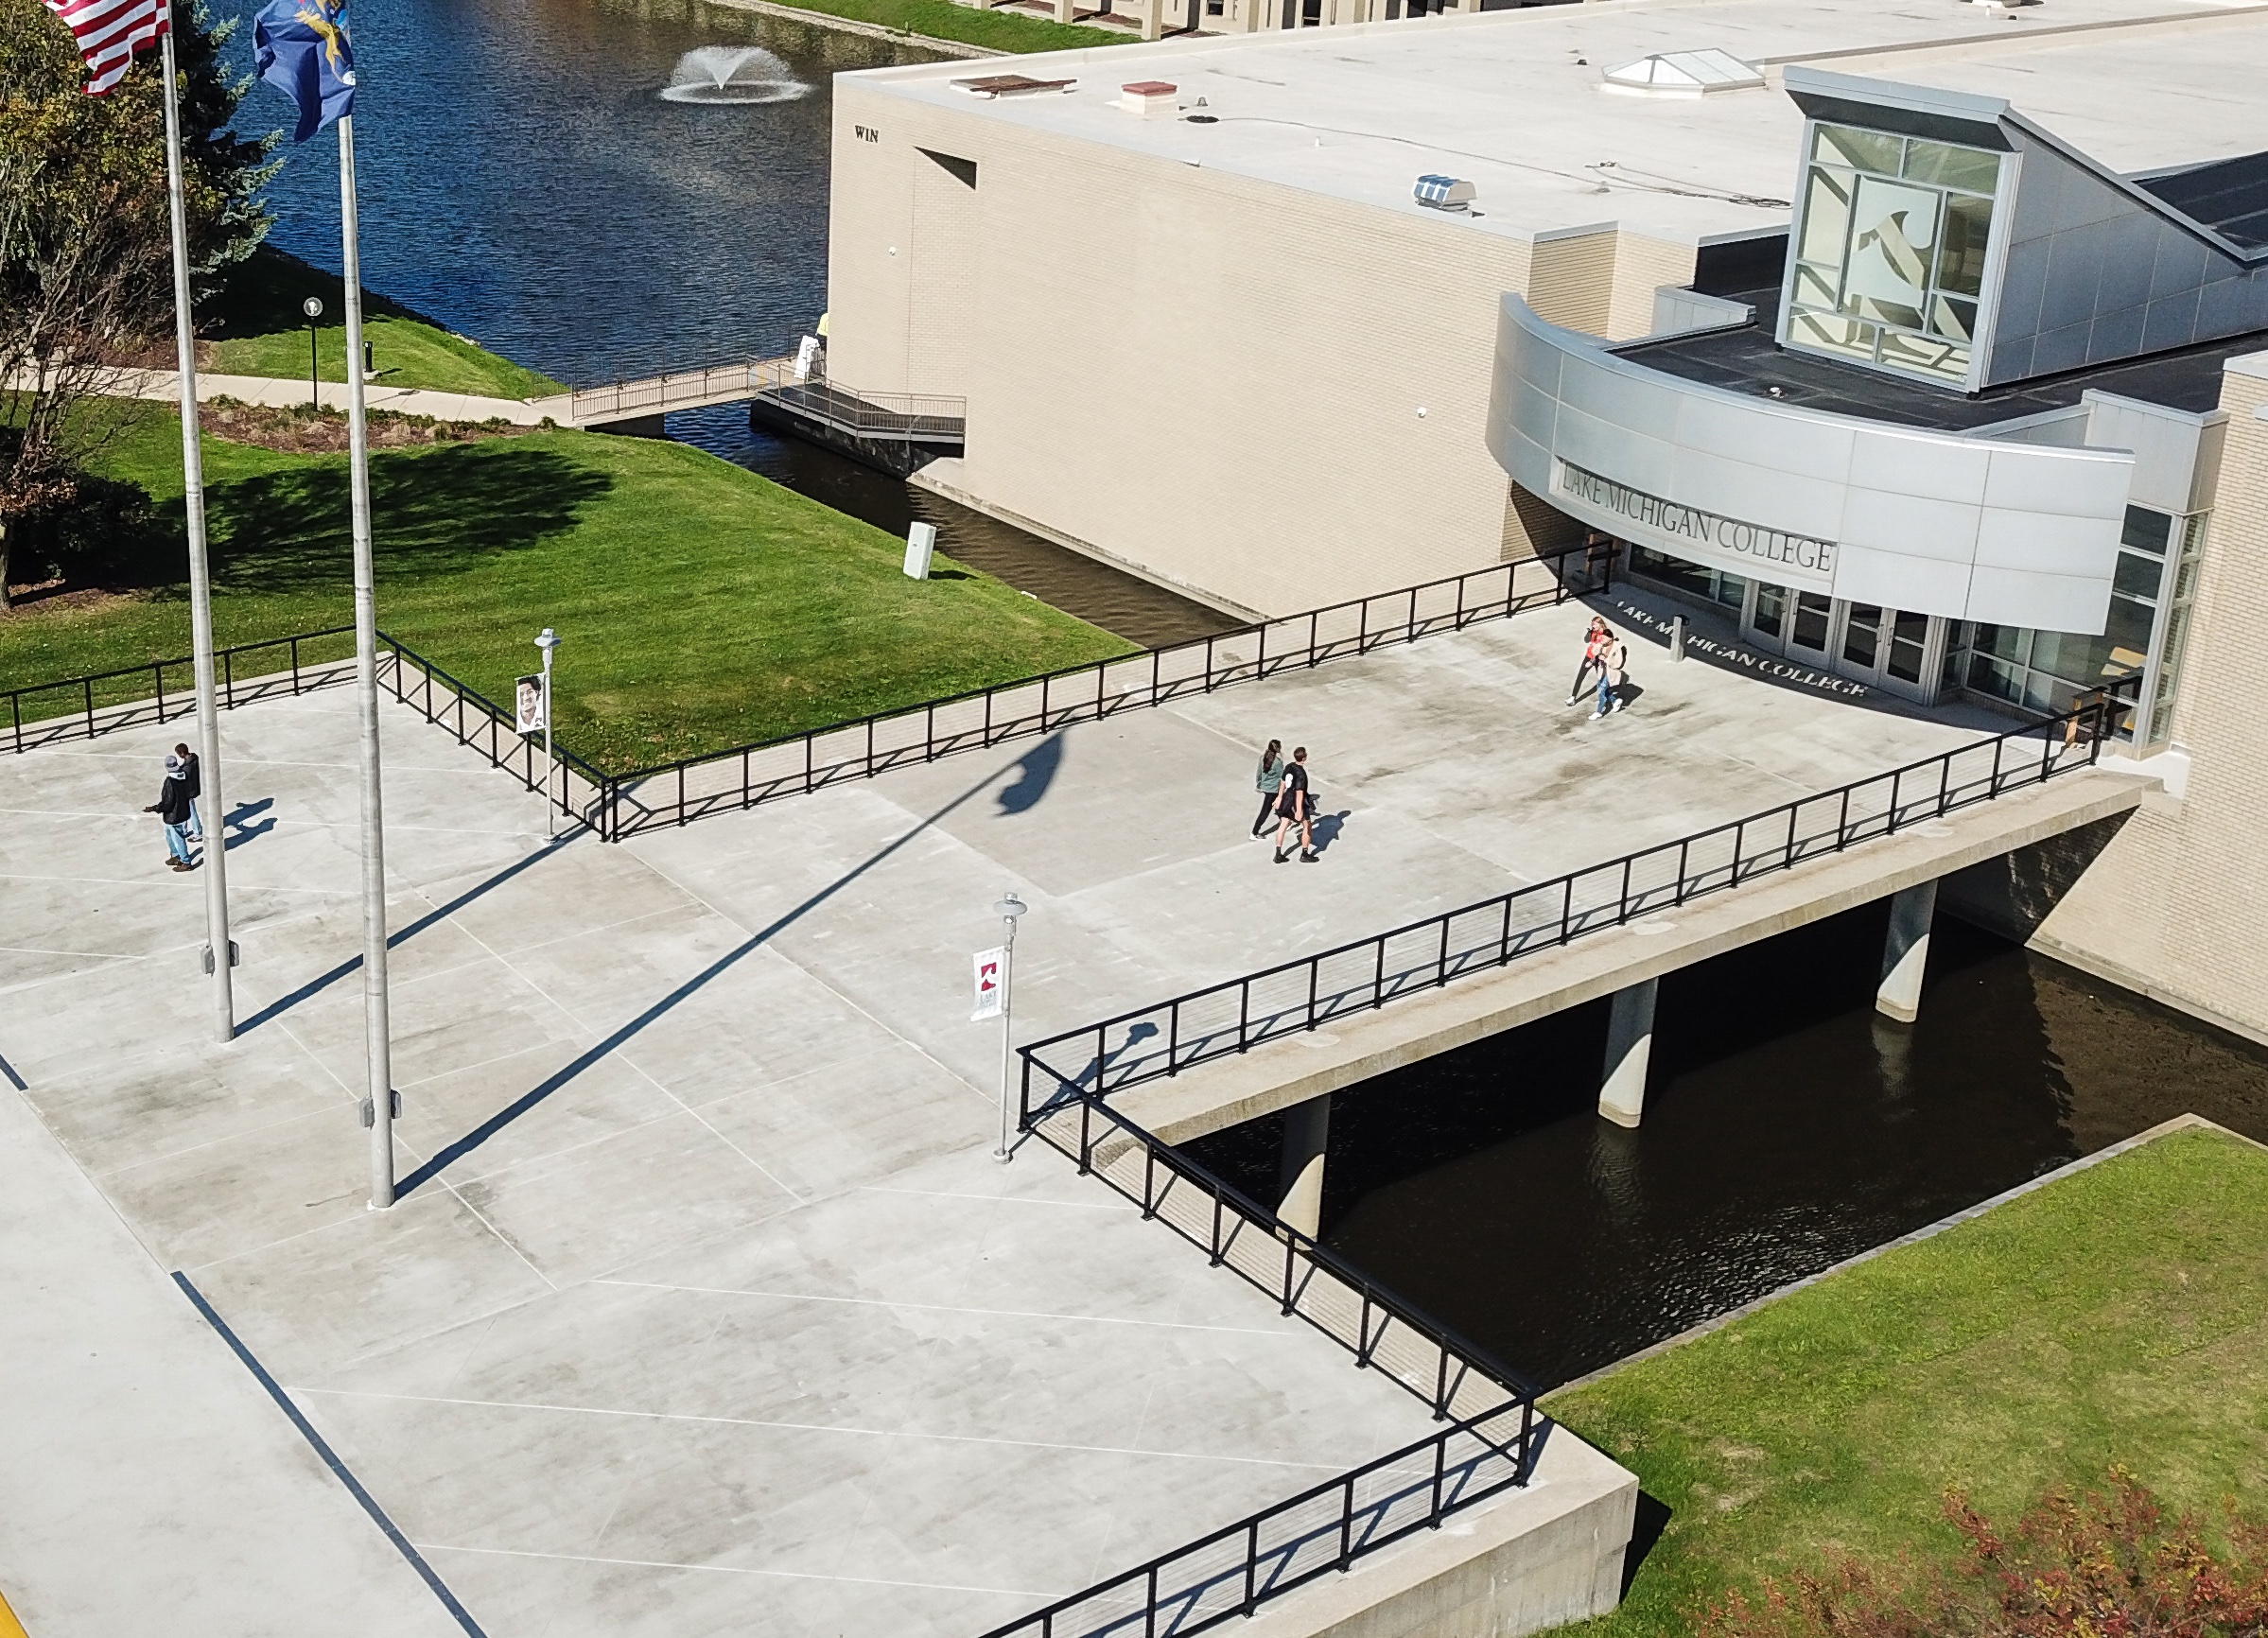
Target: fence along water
(674, 793)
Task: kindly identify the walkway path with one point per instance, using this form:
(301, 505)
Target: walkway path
(706, 1307)
(287, 394)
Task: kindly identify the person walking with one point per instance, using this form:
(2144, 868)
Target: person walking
(1294, 806)
(189, 774)
(1593, 638)
(1614, 671)
(172, 809)
(1270, 781)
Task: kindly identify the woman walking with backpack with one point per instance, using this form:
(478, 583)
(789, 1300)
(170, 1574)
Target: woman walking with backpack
(1270, 781)
(1614, 671)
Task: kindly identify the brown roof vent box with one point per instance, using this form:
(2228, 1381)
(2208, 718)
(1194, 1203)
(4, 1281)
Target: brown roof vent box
(1148, 97)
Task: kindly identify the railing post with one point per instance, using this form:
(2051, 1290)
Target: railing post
(1440, 975)
(1378, 978)
(1315, 973)
(1346, 1528)
(88, 684)
(157, 676)
(1441, 1460)
(1149, 1180)
(1173, 1039)
(1253, 1568)
(1945, 781)
(1243, 1014)
(1504, 946)
(1290, 1245)
(1567, 909)
(1149, 1614)
(1214, 1250)
(680, 793)
(295, 666)
(1157, 657)
(1087, 1133)
(808, 741)
(1843, 822)
(1045, 681)
(1413, 616)
(1896, 775)
(1684, 853)
(1314, 659)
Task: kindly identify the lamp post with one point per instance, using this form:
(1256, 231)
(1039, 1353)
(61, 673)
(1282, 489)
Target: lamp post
(1008, 909)
(312, 307)
(547, 641)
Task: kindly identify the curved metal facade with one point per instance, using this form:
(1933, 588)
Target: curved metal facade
(1940, 523)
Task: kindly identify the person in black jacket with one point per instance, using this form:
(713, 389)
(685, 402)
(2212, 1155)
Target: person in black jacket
(190, 776)
(172, 809)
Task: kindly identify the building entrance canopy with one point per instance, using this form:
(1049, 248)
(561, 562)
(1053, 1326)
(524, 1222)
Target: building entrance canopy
(1968, 526)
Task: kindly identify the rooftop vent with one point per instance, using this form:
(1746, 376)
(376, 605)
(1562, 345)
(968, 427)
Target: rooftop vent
(1684, 73)
(1150, 97)
(1444, 193)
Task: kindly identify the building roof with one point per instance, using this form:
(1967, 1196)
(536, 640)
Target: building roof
(1743, 359)
(2230, 196)
(1516, 101)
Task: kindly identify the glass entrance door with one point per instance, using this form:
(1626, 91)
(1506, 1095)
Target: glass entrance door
(1886, 648)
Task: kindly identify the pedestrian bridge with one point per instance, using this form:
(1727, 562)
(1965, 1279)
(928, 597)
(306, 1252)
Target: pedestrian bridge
(773, 384)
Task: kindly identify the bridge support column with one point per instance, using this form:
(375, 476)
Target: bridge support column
(1906, 952)
(1063, 11)
(1629, 1046)
(1300, 1174)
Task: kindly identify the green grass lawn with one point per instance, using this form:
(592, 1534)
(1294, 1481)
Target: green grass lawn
(257, 328)
(2119, 1315)
(699, 606)
(943, 20)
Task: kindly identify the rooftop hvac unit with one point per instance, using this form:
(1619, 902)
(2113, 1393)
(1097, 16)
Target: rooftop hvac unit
(1444, 193)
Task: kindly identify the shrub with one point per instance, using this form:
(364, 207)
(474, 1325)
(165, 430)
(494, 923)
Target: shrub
(2107, 1564)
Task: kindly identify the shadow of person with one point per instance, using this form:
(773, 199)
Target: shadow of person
(1327, 827)
(1036, 771)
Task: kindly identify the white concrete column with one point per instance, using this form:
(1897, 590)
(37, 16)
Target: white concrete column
(1629, 1045)
(1300, 1175)
(1063, 11)
(1153, 20)
(1906, 952)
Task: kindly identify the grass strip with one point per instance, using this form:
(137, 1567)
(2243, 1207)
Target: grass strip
(701, 606)
(2118, 1314)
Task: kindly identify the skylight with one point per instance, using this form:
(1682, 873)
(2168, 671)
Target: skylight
(1684, 73)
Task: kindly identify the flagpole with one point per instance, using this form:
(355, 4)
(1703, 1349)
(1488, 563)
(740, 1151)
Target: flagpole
(219, 954)
(378, 1110)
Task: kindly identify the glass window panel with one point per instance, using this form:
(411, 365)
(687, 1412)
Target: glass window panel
(1810, 628)
(1816, 284)
(1968, 223)
(1731, 590)
(1953, 317)
(2012, 643)
(1861, 632)
(1894, 234)
(1672, 571)
(1908, 641)
(1941, 162)
(2125, 639)
(1827, 215)
(1770, 602)
(2044, 692)
(1995, 677)
(1865, 150)
(2146, 531)
(1833, 335)
(1940, 358)
(2137, 576)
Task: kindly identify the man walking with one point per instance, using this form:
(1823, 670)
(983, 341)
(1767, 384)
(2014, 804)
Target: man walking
(188, 776)
(1593, 640)
(172, 809)
(1294, 806)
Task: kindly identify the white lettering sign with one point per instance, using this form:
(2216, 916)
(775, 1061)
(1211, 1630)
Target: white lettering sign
(988, 965)
(1751, 548)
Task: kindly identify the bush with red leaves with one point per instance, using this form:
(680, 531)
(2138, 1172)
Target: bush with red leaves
(2107, 1565)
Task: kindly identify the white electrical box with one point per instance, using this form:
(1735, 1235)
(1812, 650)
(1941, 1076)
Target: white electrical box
(922, 545)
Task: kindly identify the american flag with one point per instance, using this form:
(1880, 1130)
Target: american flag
(109, 32)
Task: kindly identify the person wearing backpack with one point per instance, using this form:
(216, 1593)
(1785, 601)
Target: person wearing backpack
(1614, 671)
(1592, 640)
(1270, 781)
(189, 777)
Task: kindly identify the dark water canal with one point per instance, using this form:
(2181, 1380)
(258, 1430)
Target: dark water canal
(526, 181)
(1787, 1127)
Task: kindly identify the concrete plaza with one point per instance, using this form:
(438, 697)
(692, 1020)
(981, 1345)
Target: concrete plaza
(705, 1306)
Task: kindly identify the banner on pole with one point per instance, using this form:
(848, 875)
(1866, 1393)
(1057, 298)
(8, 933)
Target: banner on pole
(528, 706)
(989, 965)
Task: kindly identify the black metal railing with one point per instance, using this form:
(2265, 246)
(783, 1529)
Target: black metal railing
(1239, 1567)
(567, 782)
(673, 794)
(104, 702)
(1490, 1444)
(1297, 996)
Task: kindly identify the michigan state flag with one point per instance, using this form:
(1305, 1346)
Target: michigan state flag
(300, 47)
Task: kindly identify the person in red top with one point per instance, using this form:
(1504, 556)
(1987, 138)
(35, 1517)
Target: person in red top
(1594, 640)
